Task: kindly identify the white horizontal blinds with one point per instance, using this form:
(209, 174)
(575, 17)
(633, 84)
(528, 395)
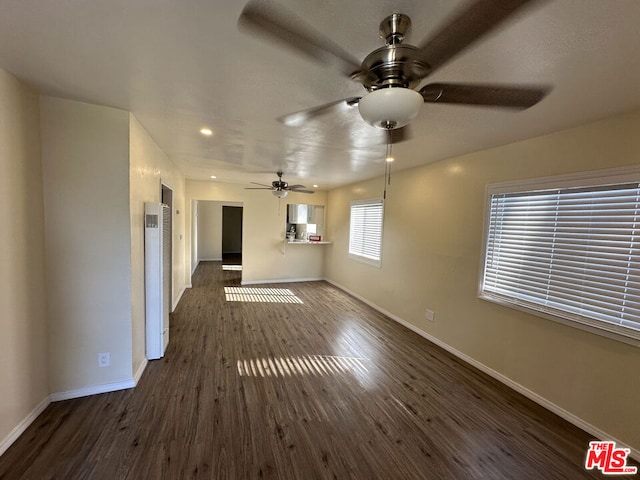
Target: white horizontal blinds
(568, 251)
(365, 236)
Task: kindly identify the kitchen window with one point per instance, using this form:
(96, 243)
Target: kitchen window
(365, 231)
(567, 248)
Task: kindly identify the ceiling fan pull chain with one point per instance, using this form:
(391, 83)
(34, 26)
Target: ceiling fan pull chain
(384, 193)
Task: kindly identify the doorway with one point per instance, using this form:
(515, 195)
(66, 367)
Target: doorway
(232, 235)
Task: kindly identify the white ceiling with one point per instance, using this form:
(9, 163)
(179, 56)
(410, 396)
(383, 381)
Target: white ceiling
(182, 65)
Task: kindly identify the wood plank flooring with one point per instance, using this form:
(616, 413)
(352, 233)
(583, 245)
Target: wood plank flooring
(323, 389)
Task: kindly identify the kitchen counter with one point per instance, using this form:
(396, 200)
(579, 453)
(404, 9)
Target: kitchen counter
(307, 242)
(287, 242)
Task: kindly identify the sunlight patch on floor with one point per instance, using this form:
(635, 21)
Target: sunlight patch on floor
(264, 295)
(233, 268)
(318, 365)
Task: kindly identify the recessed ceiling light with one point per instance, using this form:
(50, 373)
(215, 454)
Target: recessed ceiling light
(315, 186)
(213, 176)
(206, 131)
(390, 159)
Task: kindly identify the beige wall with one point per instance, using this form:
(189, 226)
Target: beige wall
(148, 167)
(23, 325)
(85, 156)
(264, 224)
(431, 258)
(95, 163)
(209, 231)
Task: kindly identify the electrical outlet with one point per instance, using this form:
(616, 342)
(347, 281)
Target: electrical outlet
(104, 359)
(429, 315)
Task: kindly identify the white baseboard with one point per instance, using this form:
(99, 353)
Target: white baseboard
(140, 371)
(531, 395)
(19, 429)
(175, 303)
(282, 280)
(193, 270)
(93, 390)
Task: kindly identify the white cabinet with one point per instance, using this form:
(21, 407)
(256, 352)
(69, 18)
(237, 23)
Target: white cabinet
(297, 214)
(315, 214)
(301, 214)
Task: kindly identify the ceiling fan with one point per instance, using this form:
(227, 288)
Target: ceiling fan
(392, 73)
(280, 188)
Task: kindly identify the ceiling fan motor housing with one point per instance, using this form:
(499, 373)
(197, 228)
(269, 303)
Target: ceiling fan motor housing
(395, 64)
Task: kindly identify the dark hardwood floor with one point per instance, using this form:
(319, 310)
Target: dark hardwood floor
(326, 388)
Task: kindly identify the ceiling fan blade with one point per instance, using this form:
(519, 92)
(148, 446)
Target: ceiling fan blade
(293, 187)
(467, 26)
(277, 23)
(483, 94)
(259, 188)
(261, 184)
(301, 191)
(298, 118)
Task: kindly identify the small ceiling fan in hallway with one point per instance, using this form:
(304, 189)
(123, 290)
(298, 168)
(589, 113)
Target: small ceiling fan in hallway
(280, 188)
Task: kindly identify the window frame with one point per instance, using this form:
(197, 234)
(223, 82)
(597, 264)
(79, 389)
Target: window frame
(594, 178)
(355, 256)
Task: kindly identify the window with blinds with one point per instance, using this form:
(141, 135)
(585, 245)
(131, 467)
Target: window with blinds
(572, 253)
(365, 231)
